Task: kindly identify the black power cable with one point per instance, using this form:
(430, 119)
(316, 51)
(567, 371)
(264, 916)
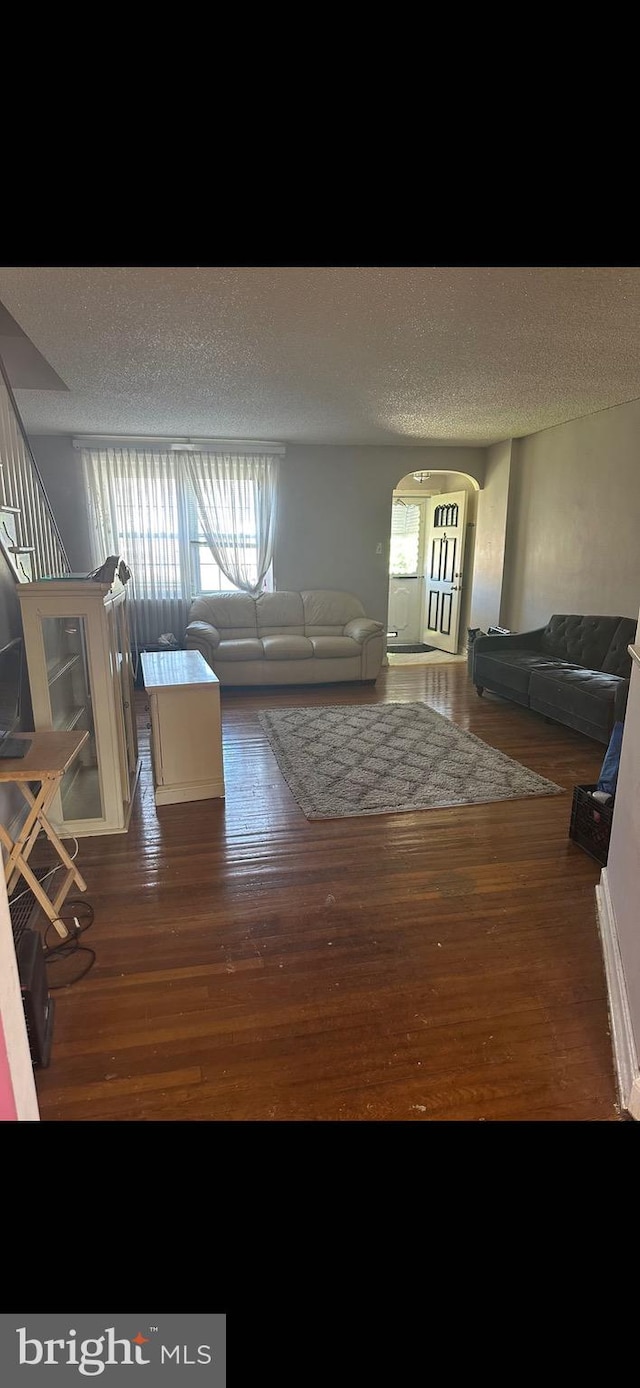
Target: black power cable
(77, 916)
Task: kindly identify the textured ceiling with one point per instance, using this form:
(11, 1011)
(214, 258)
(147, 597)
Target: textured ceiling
(370, 355)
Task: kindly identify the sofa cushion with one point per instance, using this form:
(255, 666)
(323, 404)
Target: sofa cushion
(325, 647)
(326, 612)
(579, 640)
(617, 660)
(286, 648)
(234, 614)
(512, 668)
(585, 694)
(278, 612)
(242, 648)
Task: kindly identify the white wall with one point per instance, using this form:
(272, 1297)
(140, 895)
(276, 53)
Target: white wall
(17, 1086)
(574, 520)
(623, 865)
(438, 482)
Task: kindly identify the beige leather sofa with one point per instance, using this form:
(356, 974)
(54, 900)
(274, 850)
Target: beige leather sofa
(285, 638)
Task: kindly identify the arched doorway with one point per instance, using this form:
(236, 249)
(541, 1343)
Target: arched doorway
(431, 556)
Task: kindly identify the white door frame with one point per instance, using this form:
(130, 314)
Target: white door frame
(418, 495)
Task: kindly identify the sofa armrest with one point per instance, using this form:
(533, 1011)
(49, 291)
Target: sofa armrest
(200, 634)
(522, 640)
(362, 628)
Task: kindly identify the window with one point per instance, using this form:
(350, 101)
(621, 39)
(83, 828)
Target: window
(169, 513)
(446, 515)
(148, 533)
(144, 507)
(206, 574)
(405, 538)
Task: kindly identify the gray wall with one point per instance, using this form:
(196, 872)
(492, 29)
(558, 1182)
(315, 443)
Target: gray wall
(571, 537)
(335, 509)
(574, 520)
(61, 472)
(486, 603)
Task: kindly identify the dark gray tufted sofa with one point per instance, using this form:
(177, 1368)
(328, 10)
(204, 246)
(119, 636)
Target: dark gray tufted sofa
(575, 670)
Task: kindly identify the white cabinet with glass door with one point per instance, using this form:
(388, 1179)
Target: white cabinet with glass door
(80, 674)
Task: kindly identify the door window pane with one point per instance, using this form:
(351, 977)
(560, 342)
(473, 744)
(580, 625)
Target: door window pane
(405, 538)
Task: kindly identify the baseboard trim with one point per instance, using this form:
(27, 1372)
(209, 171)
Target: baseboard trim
(201, 790)
(624, 1047)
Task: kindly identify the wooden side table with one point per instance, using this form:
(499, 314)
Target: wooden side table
(48, 757)
(186, 735)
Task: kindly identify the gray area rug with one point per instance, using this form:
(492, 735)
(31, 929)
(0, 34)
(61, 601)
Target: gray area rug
(389, 758)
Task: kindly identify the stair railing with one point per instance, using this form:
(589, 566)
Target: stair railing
(25, 490)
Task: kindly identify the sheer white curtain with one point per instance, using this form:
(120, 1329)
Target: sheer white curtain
(138, 504)
(237, 498)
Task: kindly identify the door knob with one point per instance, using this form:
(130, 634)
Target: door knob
(455, 588)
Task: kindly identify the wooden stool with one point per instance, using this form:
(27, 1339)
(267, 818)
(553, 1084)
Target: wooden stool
(46, 761)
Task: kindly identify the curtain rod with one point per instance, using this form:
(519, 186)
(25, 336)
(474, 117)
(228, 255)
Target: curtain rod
(144, 440)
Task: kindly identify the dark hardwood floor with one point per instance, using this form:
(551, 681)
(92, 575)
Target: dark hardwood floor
(440, 965)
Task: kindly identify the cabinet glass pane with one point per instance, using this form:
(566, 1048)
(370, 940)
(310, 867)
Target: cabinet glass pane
(127, 685)
(71, 707)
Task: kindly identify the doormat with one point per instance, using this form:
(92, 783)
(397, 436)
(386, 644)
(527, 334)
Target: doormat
(395, 649)
(389, 758)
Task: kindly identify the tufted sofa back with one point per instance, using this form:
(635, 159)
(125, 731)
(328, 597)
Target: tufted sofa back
(597, 643)
(617, 660)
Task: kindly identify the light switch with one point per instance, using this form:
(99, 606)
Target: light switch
(378, 549)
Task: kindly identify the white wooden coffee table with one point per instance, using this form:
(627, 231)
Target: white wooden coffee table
(186, 729)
